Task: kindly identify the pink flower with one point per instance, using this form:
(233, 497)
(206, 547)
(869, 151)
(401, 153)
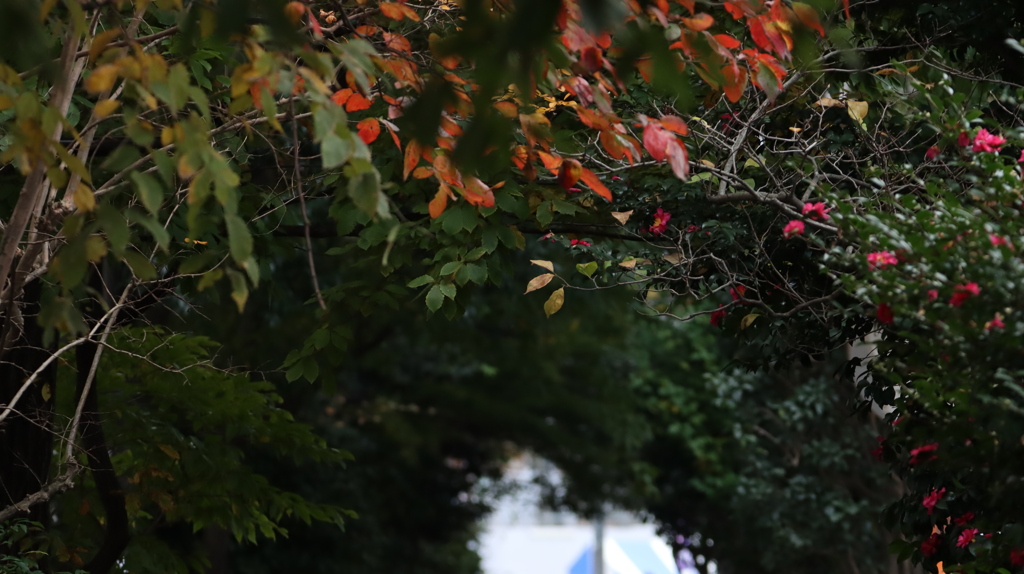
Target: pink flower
(997, 241)
(579, 242)
(932, 153)
(737, 292)
(961, 520)
(692, 229)
(1021, 160)
(963, 292)
(932, 499)
(1017, 557)
(985, 141)
(966, 537)
(573, 190)
(884, 313)
(717, 317)
(616, 178)
(933, 294)
(931, 546)
(661, 219)
(878, 451)
(995, 323)
(881, 260)
(816, 210)
(923, 453)
(792, 228)
(550, 236)
(964, 139)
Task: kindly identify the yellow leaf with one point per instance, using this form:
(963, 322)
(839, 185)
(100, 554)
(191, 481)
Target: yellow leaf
(539, 282)
(857, 110)
(6, 102)
(746, 321)
(829, 103)
(628, 264)
(84, 199)
(45, 392)
(169, 451)
(167, 136)
(554, 302)
(101, 79)
(100, 42)
(545, 264)
(622, 216)
(104, 108)
(708, 163)
(674, 258)
(887, 72)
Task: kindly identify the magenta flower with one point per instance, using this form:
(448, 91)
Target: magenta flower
(964, 292)
(923, 453)
(1021, 160)
(932, 499)
(1017, 557)
(931, 546)
(884, 313)
(985, 141)
(962, 520)
(964, 139)
(933, 294)
(717, 317)
(997, 240)
(881, 260)
(692, 229)
(932, 153)
(995, 323)
(737, 292)
(661, 219)
(792, 228)
(580, 242)
(966, 537)
(816, 210)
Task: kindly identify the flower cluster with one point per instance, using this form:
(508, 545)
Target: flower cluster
(985, 141)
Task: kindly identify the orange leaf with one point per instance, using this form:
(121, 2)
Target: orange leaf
(397, 11)
(590, 178)
(612, 145)
(341, 96)
(569, 173)
(369, 129)
(367, 30)
(520, 156)
(727, 41)
(809, 16)
(450, 127)
(674, 124)
(591, 59)
(422, 172)
(846, 8)
(357, 102)
(439, 202)
(699, 23)
(446, 171)
(477, 193)
(734, 10)
(678, 159)
(688, 4)
(397, 42)
(507, 108)
(393, 129)
(593, 120)
(735, 82)
(550, 161)
(412, 157)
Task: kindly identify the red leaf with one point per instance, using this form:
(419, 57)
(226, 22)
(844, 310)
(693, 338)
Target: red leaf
(656, 140)
(809, 16)
(699, 23)
(674, 124)
(735, 11)
(678, 159)
(591, 59)
(758, 34)
(688, 4)
(735, 81)
(439, 202)
(846, 8)
(412, 157)
(569, 173)
(590, 178)
(357, 102)
(369, 129)
(314, 24)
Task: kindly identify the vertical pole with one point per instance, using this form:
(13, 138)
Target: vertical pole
(599, 544)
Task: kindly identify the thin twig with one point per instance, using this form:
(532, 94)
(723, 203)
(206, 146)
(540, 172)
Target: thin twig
(302, 208)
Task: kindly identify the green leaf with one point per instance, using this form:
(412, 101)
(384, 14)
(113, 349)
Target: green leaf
(434, 298)
(450, 267)
(448, 290)
(140, 264)
(151, 193)
(239, 238)
(114, 226)
(554, 302)
(587, 269)
(334, 151)
(239, 289)
(364, 187)
(421, 281)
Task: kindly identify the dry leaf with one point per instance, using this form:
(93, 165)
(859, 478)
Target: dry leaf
(539, 282)
(857, 110)
(545, 264)
(554, 302)
(622, 216)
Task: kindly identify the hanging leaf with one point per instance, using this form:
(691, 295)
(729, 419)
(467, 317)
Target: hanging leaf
(545, 264)
(554, 302)
(539, 282)
(594, 183)
(622, 216)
